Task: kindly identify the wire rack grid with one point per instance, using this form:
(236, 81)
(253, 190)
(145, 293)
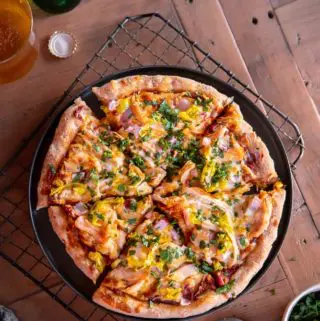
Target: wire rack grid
(147, 39)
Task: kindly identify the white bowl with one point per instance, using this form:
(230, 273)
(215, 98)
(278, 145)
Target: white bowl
(292, 304)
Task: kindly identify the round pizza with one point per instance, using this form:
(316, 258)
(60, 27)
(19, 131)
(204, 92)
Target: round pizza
(171, 195)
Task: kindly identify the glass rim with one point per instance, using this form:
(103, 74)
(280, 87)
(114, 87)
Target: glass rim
(27, 38)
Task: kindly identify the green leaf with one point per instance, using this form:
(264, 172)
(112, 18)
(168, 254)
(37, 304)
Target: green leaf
(226, 288)
(52, 169)
(106, 154)
(132, 221)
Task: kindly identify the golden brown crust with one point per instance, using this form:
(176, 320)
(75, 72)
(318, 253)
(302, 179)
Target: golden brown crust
(74, 248)
(263, 165)
(70, 122)
(128, 305)
(257, 257)
(124, 87)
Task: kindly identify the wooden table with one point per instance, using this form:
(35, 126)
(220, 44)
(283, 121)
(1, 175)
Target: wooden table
(274, 46)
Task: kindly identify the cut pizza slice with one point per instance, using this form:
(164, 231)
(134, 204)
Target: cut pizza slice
(92, 163)
(95, 235)
(222, 229)
(164, 116)
(234, 155)
(155, 269)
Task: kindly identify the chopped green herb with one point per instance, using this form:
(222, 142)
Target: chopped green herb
(216, 151)
(243, 241)
(189, 253)
(123, 144)
(202, 244)
(150, 102)
(307, 309)
(132, 221)
(100, 216)
(77, 177)
(149, 230)
(226, 288)
(92, 192)
(133, 205)
(134, 179)
(122, 188)
(93, 174)
(204, 267)
(222, 172)
(96, 147)
(171, 283)
(138, 161)
(132, 252)
(106, 154)
(52, 169)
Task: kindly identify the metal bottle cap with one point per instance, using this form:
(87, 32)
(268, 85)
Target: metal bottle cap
(62, 44)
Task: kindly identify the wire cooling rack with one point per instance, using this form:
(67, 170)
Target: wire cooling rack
(147, 39)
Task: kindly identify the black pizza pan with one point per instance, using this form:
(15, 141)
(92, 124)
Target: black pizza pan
(53, 247)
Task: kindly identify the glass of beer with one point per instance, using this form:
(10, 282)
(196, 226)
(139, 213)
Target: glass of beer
(18, 47)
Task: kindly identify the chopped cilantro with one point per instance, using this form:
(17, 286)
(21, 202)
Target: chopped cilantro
(77, 177)
(122, 188)
(150, 102)
(171, 283)
(132, 221)
(134, 179)
(132, 252)
(96, 147)
(308, 308)
(133, 205)
(149, 230)
(123, 144)
(100, 216)
(226, 288)
(93, 174)
(243, 241)
(189, 253)
(222, 172)
(92, 192)
(203, 102)
(216, 151)
(106, 154)
(202, 244)
(138, 161)
(52, 169)
(204, 267)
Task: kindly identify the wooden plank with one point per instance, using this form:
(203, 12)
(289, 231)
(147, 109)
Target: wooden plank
(300, 23)
(299, 255)
(26, 101)
(280, 3)
(217, 39)
(266, 304)
(266, 53)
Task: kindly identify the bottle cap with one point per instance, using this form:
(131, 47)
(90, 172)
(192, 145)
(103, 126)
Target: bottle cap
(62, 44)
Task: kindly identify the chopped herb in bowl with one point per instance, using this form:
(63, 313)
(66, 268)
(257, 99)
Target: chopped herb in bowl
(307, 309)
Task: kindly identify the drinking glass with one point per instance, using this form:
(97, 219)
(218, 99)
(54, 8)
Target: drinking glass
(18, 46)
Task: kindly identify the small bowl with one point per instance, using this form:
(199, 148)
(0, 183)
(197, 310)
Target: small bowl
(292, 304)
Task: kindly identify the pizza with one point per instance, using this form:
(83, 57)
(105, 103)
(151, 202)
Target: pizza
(170, 203)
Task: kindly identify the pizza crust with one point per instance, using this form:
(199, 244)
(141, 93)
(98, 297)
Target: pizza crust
(264, 171)
(127, 305)
(124, 87)
(74, 248)
(71, 120)
(257, 257)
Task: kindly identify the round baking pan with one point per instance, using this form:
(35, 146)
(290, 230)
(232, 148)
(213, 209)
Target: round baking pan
(53, 247)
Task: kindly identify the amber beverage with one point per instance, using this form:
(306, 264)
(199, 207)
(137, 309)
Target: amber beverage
(18, 47)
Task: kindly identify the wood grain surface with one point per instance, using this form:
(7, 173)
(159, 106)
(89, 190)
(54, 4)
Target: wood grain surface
(274, 46)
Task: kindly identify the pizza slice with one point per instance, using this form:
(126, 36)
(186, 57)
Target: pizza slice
(90, 164)
(155, 269)
(223, 231)
(95, 235)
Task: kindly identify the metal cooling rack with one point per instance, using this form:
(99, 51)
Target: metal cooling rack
(147, 39)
